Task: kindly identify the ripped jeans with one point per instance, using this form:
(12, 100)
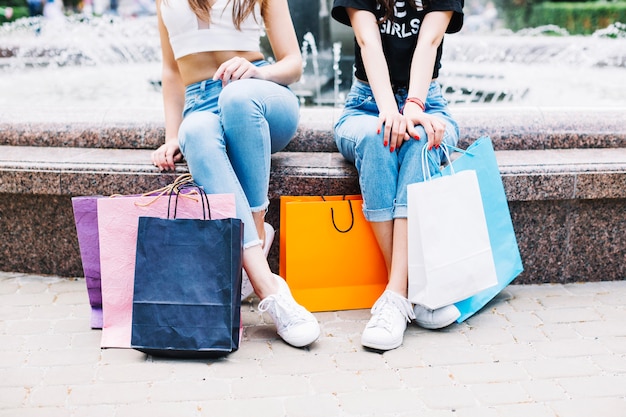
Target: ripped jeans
(384, 175)
(228, 134)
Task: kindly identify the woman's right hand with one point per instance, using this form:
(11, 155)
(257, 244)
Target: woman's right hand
(167, 155)
(394, 129)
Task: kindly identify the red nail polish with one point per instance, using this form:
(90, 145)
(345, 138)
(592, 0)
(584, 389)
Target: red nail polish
(391, 149)
(385, 143)
(378, 132)
(416, 137)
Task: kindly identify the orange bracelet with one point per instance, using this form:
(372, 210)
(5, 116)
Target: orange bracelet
(418, 101)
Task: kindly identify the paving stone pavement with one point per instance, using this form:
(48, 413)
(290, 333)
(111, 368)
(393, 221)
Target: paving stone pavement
(536, 351)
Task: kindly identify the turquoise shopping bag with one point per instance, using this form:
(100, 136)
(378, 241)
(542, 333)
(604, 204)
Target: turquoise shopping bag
(480, 157)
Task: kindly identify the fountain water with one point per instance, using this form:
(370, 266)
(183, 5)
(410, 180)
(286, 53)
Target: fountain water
(326, 71)
(79, 61)
(309, 44)
(535, 69)
(77, 40)
(338, 97)
(90, 59)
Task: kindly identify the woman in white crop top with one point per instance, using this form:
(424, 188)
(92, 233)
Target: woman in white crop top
(226, 111)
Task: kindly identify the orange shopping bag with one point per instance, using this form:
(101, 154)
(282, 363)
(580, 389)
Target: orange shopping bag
(328, 253)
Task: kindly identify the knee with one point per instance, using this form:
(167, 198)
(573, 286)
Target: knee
(200, 132)
(236, 95)
(371, 144)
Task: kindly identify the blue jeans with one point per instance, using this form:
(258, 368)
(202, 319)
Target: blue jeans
(228, 134)
(384, 175)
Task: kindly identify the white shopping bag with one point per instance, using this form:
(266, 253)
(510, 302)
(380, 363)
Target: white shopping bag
(450, 257)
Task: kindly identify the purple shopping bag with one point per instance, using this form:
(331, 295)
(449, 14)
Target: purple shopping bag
(86, 219)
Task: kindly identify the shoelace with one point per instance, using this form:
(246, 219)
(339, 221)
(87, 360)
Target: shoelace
(384, 314)
(283, 308)
(383, 317)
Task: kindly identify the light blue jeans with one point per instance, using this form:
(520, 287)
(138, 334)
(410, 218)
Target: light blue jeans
(228, 134)
(384, 175)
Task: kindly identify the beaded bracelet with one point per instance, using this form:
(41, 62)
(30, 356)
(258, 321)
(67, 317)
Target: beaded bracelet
(418, 101)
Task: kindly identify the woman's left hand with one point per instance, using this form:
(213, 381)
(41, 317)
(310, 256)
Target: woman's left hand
(434, 126)
(236, 68)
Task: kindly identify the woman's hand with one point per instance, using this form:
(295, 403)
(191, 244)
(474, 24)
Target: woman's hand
(395, 129)
(167, 155)
(236, 68)
(433, 125)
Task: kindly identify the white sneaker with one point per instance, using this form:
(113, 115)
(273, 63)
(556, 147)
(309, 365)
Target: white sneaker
(435, 319)
(294, 324)
(246, 285)
(390, 314)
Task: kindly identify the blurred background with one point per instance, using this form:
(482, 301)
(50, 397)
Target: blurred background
(530, 52)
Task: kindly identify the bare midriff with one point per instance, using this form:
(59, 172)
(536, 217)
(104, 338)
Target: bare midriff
(203, 65)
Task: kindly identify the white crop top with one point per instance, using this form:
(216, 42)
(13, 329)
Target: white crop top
(188, 34)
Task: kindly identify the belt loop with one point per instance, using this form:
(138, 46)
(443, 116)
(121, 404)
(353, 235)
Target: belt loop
(203, 85)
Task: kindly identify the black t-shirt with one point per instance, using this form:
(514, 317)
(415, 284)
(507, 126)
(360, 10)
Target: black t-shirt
(399, 34)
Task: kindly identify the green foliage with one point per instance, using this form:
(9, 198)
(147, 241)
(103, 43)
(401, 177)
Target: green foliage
(576, 16)
(515, 13)
(18, 12)
(13, 3)
(614, 31)
(20, 9)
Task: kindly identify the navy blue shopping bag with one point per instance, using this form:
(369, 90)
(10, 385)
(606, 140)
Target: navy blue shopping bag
(187, 289)
(480, 157)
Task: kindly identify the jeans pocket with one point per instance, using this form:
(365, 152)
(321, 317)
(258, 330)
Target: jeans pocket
(356, 101)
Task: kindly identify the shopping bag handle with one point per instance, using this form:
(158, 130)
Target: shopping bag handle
(427, 156)
(332, 216)
(446, 150)
(463, 151)
(177, 190)
(160, 192)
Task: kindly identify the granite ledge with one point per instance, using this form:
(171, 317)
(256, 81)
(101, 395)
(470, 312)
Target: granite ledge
(527, 175)
(510, 127)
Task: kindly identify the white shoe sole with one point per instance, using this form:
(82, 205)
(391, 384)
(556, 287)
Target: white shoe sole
(451, 315)
(381, 347)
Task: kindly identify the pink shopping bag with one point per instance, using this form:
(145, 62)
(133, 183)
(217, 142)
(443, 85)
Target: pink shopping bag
(118, 219)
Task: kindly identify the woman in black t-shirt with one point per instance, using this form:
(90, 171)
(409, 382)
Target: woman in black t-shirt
(395, 107)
